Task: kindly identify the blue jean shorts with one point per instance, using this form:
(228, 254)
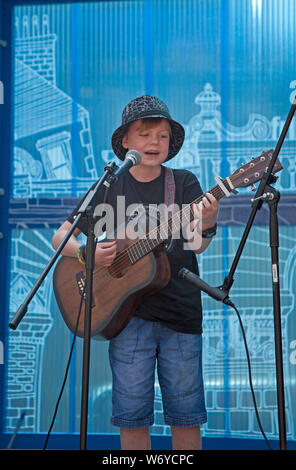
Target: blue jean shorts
(140, 349)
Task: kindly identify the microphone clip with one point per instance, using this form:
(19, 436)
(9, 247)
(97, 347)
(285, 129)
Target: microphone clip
(111, 167)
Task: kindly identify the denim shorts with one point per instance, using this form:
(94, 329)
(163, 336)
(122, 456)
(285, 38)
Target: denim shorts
(134, 354)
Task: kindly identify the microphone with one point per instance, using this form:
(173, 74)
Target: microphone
(214, 292)
(133, 157)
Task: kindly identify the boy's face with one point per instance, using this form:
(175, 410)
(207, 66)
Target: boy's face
(150, 139)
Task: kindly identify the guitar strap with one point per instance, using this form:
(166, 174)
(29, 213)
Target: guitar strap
(169, 196)
(169, 187)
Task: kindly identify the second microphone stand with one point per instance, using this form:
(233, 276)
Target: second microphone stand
(267, 193)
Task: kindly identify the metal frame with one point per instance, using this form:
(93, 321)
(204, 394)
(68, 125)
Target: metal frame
(6, 138)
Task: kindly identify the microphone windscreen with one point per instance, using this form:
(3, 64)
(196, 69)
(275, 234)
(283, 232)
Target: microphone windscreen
(135, 156)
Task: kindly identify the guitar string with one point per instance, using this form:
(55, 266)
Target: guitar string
(123, 257)
(120, 261)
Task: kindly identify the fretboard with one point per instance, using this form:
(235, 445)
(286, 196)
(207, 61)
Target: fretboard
(167, 229)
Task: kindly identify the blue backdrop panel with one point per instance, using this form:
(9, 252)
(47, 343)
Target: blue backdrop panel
(226, 69)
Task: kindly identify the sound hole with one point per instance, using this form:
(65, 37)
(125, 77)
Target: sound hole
(114, 272)
(119, 266)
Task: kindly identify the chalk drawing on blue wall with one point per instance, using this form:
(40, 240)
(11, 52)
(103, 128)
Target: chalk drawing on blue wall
(48, 124)
(26, 343)
(44, 167)
(203, 153)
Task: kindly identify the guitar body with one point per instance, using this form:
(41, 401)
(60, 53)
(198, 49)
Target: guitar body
(116, 296)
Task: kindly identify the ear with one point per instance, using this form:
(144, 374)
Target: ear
(124, 142)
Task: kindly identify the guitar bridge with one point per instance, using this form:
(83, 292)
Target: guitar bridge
(80, 279)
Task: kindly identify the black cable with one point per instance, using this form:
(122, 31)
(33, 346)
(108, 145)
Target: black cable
(66, 373)
(250, 375)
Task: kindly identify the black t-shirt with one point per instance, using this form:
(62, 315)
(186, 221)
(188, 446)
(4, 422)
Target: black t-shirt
(178, 304)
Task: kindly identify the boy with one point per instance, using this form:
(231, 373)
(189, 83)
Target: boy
(166, 329)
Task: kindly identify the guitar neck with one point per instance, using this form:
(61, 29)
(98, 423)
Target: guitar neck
(167, 229)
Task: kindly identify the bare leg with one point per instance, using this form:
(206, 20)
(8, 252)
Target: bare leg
(186, 438)
(135, 439)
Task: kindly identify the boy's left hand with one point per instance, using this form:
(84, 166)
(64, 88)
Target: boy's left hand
(206, 211)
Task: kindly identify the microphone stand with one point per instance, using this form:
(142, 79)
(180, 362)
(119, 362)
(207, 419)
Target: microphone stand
(267, 193)
(86, 210)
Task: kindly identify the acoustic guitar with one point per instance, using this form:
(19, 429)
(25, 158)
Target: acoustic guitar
(140, 268)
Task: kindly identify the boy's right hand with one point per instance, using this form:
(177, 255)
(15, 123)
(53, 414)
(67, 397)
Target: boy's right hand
(105, 253)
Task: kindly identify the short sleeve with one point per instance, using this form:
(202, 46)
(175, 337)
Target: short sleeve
(191, 188)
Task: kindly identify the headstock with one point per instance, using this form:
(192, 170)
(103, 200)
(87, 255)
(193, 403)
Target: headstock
(253, 171)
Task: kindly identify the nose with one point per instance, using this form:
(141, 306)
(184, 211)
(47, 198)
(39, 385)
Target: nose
(155, 138)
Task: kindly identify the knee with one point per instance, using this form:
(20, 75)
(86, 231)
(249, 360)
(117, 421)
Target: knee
(135, 439)
(186, 438)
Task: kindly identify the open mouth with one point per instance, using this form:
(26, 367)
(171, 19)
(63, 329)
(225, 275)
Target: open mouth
(152, 152)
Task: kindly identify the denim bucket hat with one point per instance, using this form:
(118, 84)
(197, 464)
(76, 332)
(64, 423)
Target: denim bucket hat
(147, 107)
